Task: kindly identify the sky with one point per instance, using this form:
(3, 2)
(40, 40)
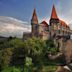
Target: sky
(23, 9)
(15, 15)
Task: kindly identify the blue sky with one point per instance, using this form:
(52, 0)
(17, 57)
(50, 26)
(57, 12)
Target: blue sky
(23, 9)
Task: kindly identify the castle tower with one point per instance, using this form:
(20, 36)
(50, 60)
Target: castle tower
(34, 24)
(54, 14)
(54, 20)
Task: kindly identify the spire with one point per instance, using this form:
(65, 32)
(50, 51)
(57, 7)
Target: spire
(54, 14)
(34, 17)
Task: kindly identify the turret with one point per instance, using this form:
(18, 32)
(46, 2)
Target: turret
(54, 22)
(34, 24)
(54, 18)
(54, 14)
(34, 19)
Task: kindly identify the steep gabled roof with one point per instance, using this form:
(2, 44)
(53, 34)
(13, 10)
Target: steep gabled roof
(54, 14)
(63, 23)
(44, 23)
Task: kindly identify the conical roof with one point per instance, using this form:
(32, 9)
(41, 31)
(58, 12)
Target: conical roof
(34, 17)
(54, 14)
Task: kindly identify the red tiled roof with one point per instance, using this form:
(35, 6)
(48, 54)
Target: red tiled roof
(63, 23)
(54, 14)
(44, 23)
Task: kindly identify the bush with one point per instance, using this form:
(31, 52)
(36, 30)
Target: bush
(32, 53)
(11, 69)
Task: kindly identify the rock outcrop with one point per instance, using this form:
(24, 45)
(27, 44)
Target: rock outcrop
(62, 69)
(67, 50)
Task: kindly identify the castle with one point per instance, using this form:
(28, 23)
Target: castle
(57, 30)
(54, 30)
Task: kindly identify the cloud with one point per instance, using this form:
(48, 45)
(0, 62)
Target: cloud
(13, 27)
(64, 10)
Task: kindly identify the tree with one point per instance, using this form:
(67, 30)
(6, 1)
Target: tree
(50, 47)
(35, 48)
(6, 57)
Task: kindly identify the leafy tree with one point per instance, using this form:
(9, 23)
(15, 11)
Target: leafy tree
(11, 69)
(6, 57)
(31, 52)
(35, 48)
(50, 47)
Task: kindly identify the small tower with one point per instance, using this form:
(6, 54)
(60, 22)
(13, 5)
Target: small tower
(54, 14)
(34, 24)
(54, 20)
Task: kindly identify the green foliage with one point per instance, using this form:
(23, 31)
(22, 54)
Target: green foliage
(16, 43)
(11, 69)
(28, 61)
(50, 47)
(6, 57)
(35, 48)
(49, 68)
(32, 53)
(35, 45)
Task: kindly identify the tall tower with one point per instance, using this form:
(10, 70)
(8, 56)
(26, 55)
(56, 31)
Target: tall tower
(34, 24)
(54, 14)
(54, 20)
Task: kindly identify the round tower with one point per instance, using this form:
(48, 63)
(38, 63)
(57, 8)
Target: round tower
(54, 20)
